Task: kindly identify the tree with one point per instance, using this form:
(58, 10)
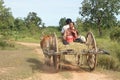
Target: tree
(115, 34)
(43, 25)
(100, 12)
(79, 23)
(62, 22)
(6, 18)
(118, 23)
(19, 24)
(33, 19)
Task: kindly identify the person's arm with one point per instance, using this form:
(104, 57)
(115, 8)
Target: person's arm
(75, 35)
(65, 34)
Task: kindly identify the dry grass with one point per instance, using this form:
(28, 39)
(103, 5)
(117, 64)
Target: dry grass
(17, 64)
(77, 46)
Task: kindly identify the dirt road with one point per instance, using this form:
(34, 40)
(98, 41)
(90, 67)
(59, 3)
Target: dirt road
(71, 74)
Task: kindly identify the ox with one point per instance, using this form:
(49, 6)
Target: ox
(48, 45)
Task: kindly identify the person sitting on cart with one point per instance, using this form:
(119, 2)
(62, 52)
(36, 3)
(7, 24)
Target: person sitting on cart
(71, 34)
(64, 28)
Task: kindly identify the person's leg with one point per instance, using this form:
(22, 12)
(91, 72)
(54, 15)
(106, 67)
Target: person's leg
(65, 42)
(78, 40)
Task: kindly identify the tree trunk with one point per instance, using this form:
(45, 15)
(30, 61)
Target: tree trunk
(99, 27)
(100, 31)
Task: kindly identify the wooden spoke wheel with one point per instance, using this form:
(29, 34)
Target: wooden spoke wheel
(91, 56)
(56, 58)
(91, 60)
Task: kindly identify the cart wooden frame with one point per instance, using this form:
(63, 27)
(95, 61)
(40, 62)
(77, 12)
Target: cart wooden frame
(91, 53)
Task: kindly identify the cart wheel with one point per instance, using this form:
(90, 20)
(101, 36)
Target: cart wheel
(91, 57)
(56, 58)
(56, 62)
(91, 60)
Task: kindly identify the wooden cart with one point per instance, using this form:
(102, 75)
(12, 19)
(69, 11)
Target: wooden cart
(90, 53)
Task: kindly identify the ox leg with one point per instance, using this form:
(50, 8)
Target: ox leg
(55, 61)
(45, 59)
(49, 60)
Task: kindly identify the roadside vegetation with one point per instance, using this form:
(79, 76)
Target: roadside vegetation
(31, 29)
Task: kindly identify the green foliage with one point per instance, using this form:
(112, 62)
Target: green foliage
(50, 30)
(111, 61)
(62, 22)
(115, 34)
(108, 62)
(118, 23)
(100, 9)
(6, 18)
(32, 18)
(118, 54)
(101, 13)
(79, 25)
(30, 35)
(115, 48)
(5, 44)
(19, 24)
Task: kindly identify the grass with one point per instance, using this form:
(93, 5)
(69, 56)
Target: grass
(6, 45)
(28, 39)
(112, 61)
(18, 64)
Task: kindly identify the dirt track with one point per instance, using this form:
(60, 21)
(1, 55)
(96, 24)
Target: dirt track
(73, 74)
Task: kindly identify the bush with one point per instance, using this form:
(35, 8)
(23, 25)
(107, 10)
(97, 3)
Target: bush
(117, 51)
(108, 62)
(115, 34)
(4, 44)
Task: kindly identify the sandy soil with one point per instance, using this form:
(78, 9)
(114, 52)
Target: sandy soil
(73, 73)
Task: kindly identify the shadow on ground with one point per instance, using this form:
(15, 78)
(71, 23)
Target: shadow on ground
(39, 66)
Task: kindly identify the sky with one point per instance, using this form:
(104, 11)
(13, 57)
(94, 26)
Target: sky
(50, 11)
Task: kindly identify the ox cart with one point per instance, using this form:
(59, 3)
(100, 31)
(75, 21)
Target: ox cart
(50, 47)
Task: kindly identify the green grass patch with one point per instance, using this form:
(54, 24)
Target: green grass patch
(113, 60)
(29, 39)
(108, 62)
